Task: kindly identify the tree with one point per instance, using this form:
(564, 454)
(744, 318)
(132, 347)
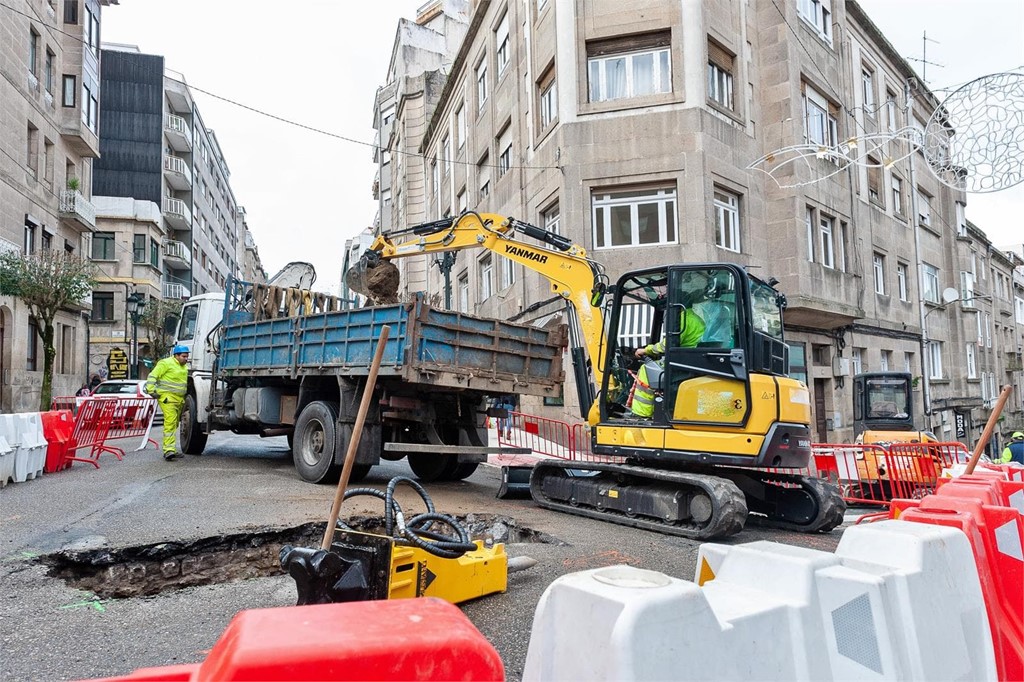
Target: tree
(159, 320)
(48, 282)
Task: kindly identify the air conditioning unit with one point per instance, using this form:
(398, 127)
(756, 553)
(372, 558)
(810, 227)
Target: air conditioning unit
(840, 367)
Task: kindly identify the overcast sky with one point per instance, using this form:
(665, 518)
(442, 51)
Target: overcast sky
(319, 62)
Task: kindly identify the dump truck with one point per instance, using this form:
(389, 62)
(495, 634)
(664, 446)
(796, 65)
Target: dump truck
(284, 361)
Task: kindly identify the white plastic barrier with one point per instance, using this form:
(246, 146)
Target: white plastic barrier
(6, 460)
(29, 445)
(897, 601)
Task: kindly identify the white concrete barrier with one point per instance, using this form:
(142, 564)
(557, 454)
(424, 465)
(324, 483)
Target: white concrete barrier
(6, 460)
(897, 601)
(29, 446)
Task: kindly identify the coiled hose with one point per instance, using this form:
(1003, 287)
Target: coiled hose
(416, 531)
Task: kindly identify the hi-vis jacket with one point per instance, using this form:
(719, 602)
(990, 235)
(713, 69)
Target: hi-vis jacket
(692, 329)
(169, 379)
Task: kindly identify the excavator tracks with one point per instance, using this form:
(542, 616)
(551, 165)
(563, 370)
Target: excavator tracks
(684, 504)
(705, 504)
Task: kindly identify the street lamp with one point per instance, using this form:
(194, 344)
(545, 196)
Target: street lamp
(134, 304)
(445, 262)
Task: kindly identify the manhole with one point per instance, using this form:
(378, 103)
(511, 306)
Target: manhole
(147, 570)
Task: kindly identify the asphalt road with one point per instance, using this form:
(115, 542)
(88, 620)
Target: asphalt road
(50, 630)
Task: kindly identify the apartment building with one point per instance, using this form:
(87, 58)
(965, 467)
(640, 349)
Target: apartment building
(49, 136)
(630, 127)
(250, 264)
(170, 227)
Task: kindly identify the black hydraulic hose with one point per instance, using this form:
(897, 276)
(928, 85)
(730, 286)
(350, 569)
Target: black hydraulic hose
(417, 531)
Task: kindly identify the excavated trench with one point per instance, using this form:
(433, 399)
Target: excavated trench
(148, 570)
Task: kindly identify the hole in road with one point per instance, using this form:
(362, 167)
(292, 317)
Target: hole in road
(147, 570)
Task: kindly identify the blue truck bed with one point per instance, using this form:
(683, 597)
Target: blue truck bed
(425, 346)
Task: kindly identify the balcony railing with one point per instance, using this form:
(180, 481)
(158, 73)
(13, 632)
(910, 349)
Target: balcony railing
(177, 253)
(177, 214)
(176, 291)
(178, 133)
(177, 172)
(77, 210)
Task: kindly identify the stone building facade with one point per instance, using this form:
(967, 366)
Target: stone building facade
(631, 126)
(49, 137)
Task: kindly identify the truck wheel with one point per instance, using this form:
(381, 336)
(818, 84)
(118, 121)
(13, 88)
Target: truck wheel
(359, 472)
(429, 467)
(313, 447)
(464, 471)
(190, 433)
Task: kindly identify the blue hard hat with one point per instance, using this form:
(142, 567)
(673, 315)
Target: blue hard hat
(180, 348)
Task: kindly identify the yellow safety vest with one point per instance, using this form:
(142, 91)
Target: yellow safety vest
(168, 378)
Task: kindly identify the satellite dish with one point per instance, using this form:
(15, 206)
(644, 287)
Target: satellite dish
(949, 294)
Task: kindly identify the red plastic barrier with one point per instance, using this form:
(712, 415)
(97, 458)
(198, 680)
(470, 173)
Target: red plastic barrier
(58, 425)
(404, 639)
(990, 490)
(859, 470)
(996, 535)
(92, 423)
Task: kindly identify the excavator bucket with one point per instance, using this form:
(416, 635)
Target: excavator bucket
(374, 278)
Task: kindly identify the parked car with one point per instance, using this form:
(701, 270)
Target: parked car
(126, 388)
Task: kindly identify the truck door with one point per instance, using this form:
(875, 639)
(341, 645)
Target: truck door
(706, 358)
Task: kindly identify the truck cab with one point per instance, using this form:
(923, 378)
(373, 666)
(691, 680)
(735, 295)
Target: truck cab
(200, 316)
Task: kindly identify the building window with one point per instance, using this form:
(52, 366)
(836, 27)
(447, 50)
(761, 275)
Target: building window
(901, 281)
(481, 83)
(486, 277)
(548, 98)
(727, 220)
(878, 262)
(103, 246)
(897, 195)
(71, 11)
(930, 274)
(102, 306)
(972, 370)
(809, 222)
(635, 67)
(634, 217)
(857, 360)
(908, 362)
(92, 30)
(821, 125)
(508, 273)
(463, 289)
(32, 346)
(818, 14)
(47, 240)
(435, 184)
(988, 330)
(798, 362)
(460, 127)
(924, 208)
(867, 79)
(48, 74)
(483, 177)
(935, 359)
(139, 248)
(460, 201)
(501, 42)
(33, 53)
(720, 70)
(826, 229)
(967, 289)
(505, 150)
(154, 253)
(885, 361)
(890, 110)
(70, 90)
(550, 218)
(874, 171)
(29, 242)
(446, 155)
(961, 220)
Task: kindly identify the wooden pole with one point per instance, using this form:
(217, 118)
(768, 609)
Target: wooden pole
(357, 432)
(989, 428)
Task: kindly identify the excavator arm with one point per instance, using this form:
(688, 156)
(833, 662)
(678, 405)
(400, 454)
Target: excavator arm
(573, 277)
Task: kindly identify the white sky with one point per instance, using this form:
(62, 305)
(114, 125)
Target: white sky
(319, 62)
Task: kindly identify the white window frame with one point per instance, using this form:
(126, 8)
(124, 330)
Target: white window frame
(549, 104)
(961, 220)
(901, 281)
(481, 83)
(826, 232)
(867, 77)
(486, 277)
(720, 85)
(507, 273)
(818, 15)
(460, 126)
(460, 201)
(811, 248)
(462, 284)
(727, 220)
(857, 361)
(967, 289)
(930, 283)
(661, 58)
(897, 194)
(878, 264)
(935, 359)
(446, 155)
(605, 201)
(972, 369)
(505, 151)
(988, 330)
(820, 126)
(908, 361)
(884, 360)
(924, 208)
(551, 219)
(890, 110)
(502, 47)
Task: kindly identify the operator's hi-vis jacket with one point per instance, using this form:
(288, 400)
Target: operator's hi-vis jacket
(690, 333)
(169, 379)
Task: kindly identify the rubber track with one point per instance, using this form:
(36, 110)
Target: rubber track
(829, 501)
(730, 506)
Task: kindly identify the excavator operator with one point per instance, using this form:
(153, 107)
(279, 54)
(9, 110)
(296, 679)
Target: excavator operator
(691, 330)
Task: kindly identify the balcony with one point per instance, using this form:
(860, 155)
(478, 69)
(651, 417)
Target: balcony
(176, 291)
(177, 173)
(76, 211)
(177, 214)
(177, 256)
(77, 134)
(179, 135)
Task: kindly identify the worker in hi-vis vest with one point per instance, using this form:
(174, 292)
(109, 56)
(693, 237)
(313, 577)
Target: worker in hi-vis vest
(1014, 451)
(691, 329)
(168, 383)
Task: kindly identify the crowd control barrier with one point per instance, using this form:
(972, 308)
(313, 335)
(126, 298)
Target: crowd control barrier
(6, 459)
(102, 420)
(896, 601)
(405, 639)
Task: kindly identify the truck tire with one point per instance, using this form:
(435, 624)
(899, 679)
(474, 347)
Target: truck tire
(314, 443)
(429, 467)
(190, 432)
(359, 472)
(464, 471)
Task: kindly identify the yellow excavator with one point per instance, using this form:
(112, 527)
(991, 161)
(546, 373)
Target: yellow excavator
(727, 420)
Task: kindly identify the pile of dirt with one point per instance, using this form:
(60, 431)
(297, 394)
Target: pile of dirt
(379, 283)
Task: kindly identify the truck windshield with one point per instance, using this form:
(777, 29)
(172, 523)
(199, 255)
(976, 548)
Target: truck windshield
(887, 398)
(187, 327)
